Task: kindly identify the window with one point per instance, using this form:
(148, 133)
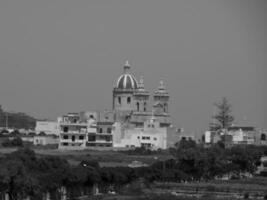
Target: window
(100, 130)
(128, 100)
(109, 130)
(65, 137)
(155, 138)
(137, 106)
(138, 137)
(144, 106)
(65, 129)
(65, 144)
(81, 137)
(119, 100)
(73, 138)
(145, 138)
(91, 138)
(263, 137)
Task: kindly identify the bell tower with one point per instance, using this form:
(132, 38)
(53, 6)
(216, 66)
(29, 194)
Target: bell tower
(141, 97)
(161, 100)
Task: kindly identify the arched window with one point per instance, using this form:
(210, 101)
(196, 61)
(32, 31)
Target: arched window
(109, 130)
(144, 106)
(119, 100)
(137, 106)
(128, 100)
(263, 137)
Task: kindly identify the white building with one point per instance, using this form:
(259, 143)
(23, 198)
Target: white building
(45, 139)
(74, 131)
(151, 136)
(242, 134)
(86, 129)
(48, 127)
(208, 137)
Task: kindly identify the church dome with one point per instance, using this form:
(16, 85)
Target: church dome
(126, 80)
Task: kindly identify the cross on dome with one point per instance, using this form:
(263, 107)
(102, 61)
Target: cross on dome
(126, 67)
(161, 85)
(127, 63)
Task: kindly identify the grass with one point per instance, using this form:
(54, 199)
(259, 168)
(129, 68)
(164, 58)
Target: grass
(105, 158)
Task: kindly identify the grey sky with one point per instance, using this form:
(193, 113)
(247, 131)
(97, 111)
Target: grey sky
(58, 56)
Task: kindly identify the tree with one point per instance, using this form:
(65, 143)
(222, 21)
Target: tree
(224, 117)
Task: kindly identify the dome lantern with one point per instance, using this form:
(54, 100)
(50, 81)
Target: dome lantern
(126, 67)
(126, 80)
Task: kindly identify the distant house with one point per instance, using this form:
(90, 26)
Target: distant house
(151, 135)
(212, 137)
(74, 129)
(237, 135)
(242, 134)
(48, 127)
(26, 138)
(45, 139)
(262, 137)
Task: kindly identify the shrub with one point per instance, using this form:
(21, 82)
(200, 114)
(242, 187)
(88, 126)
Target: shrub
(15, 142)
(265, 163)
(246, 195)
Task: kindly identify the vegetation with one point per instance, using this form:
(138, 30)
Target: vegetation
(223, 118)
(16, 120)
(143, 151)
(14, 142)
(24, 174)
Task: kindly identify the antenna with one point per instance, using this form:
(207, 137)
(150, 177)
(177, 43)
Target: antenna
(6, 120)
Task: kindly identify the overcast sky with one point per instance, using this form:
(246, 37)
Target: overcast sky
(59, 56)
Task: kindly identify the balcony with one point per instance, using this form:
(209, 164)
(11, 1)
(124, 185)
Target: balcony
(91, 130)
(100, 141)
(74, 132)
(70, 141)
(67, 123)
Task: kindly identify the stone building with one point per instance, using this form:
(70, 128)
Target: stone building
(131, 101)
(135, 124)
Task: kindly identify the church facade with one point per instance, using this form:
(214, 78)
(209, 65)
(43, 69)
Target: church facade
(131, 101)
(141, 119)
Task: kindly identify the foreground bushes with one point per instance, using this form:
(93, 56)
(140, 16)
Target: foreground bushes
(23, 174)
(14, 142)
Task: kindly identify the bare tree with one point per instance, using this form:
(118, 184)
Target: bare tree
(223, 118)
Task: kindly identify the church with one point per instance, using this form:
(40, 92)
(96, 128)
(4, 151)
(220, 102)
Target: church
(134, 124)
(131, 101)
(137, 119)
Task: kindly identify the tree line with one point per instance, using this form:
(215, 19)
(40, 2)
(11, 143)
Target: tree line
(16, 120)
(25, 174)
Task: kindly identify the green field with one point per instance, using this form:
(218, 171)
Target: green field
(105, 158)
